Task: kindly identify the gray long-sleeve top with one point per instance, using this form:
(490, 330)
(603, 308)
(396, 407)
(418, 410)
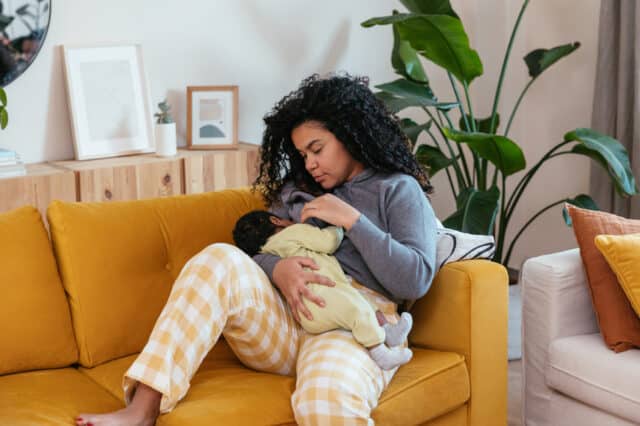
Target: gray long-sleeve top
(391, 247)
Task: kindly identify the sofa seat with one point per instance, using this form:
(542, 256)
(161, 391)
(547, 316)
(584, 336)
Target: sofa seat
(583, 368)
(433, 384)
(51, 397)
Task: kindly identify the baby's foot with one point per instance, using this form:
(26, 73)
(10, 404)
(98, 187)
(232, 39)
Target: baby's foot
(396, 334)
(390, 358)
(127, 416)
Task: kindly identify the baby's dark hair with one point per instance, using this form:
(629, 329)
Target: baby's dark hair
(253, 230)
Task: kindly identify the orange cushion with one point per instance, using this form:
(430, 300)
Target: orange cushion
(119, 260)
(35, 325)
(619, 324)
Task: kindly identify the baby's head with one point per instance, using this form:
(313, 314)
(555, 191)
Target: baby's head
(254, 229)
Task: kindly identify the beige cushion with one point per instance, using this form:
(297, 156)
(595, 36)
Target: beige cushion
(583, 368)
(566, 411)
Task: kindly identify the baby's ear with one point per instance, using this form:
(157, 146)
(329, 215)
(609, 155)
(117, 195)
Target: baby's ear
(275, 220)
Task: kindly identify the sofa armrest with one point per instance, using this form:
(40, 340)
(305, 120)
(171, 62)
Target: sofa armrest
(555, 303)
(465, 311)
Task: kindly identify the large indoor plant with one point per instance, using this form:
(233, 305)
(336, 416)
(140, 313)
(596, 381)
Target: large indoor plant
(476, 154)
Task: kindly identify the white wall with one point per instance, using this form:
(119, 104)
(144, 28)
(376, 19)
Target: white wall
(267, 47)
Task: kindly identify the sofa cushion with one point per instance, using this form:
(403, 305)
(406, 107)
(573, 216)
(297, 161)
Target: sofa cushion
(583, 368)
(118, 261)
(623, 256)
(619, 324)
(51, 397)
(223, 391)
(35, 325)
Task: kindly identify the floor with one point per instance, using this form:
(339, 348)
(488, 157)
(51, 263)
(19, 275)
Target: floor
(514, 404)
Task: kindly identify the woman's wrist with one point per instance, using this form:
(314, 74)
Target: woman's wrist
(353, 218)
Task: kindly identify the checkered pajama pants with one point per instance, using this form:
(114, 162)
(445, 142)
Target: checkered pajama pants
(222, 290)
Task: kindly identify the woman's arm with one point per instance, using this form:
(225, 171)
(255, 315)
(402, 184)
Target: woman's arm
(403, 259)
(289, 275)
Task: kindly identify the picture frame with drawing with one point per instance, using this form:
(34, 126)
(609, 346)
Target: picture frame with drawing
(212, 117)
(109, 101)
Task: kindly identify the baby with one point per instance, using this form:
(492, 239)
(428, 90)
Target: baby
(262, 232)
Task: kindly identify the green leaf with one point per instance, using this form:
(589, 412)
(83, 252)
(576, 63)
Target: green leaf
(609, 153)
(415, 94)
(3, 97)
(540, 59)
(413, 129)
(502, 152)
(405, 60)
(583, 201)
(393, 103)
(430, 7)
(439, 38)
(482, 125)
(4, 118)
(476, 212)
(432, 159)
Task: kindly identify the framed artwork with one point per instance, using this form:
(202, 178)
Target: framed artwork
(109, 101)
(212, 117)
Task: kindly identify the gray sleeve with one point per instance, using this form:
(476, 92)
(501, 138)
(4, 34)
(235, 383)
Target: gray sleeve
(403, 259)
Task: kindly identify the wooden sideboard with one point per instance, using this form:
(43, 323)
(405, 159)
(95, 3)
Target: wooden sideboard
(130, 178)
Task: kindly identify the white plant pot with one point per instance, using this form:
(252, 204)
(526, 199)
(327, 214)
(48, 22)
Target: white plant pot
(166, 145)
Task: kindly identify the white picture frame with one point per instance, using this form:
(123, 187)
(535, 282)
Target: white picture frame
(109, 101)
(212, 117)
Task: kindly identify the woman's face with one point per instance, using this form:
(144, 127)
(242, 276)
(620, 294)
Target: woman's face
(325, 157)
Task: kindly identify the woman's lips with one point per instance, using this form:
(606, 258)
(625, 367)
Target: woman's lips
(319, 177)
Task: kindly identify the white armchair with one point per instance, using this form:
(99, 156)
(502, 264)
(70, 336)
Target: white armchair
(569, 375)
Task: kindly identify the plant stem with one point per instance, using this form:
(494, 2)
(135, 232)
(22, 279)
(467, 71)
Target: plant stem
(465, 167)
(503, 220)
(522, 185)
(496, 98)
(466, 94)
(460, 106)
(515, 108)
(466, 123)
(453, 189)
(459, 176)
(513, 242)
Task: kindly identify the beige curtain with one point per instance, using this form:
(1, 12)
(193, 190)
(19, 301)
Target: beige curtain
(616, 104)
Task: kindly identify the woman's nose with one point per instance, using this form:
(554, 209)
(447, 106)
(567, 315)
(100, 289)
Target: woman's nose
(310, 163)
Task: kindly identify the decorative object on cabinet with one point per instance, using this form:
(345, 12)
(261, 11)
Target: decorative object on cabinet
(10, 164)
(109, 102)
(212, 117)
(165, 134)
(23, 28)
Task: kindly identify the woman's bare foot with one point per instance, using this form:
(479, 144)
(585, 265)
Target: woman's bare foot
(143, 411)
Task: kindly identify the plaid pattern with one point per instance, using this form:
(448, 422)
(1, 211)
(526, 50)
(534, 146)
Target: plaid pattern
(222, 290)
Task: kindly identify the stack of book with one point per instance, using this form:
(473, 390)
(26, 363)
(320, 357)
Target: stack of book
(10, 164)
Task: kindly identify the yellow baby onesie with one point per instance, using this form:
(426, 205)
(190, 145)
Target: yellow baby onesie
(345, 307)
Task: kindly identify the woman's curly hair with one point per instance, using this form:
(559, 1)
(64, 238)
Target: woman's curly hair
(345, 106)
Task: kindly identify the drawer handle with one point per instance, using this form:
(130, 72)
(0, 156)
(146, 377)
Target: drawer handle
(166, 179)
(107, 194)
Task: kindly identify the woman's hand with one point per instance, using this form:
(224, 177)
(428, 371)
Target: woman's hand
(291, 278)
(330, 209)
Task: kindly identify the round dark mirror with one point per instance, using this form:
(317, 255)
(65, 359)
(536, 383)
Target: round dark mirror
(23, 27)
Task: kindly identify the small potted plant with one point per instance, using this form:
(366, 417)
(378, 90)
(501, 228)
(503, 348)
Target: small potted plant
(165, 131)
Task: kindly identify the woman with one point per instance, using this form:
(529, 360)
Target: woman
(331, 152)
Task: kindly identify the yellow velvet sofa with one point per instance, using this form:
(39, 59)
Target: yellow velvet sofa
(75, 311)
